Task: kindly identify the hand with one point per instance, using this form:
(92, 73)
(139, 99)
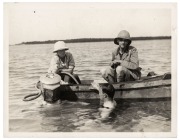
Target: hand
(59, 70)
(117, 61)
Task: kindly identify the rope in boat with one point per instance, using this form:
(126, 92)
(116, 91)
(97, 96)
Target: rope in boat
(70, 75)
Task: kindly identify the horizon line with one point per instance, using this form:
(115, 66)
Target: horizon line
(81, 40)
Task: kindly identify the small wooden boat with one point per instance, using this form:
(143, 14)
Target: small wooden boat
(151, 86)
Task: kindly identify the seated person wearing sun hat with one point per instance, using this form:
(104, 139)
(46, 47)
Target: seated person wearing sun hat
(125, 63)
(61, 61)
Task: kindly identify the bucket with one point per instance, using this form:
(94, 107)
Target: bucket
(50, 83)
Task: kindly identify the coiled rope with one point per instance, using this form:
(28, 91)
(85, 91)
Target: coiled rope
(33, 96)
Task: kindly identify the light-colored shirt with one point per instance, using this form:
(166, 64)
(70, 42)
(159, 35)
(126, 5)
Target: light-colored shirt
(56, 63)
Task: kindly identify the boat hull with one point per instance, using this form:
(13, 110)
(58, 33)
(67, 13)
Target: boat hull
(157, 92)
(151, 87)
(163, 92)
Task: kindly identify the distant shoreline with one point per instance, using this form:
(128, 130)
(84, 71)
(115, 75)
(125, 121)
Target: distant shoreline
(82, 40)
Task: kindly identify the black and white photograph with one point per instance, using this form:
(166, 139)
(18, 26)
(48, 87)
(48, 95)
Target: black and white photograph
(90, 69)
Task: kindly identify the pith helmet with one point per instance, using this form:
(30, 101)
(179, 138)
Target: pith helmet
(123, 35)
(60, 45)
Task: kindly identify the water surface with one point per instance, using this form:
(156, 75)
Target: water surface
(28, 62)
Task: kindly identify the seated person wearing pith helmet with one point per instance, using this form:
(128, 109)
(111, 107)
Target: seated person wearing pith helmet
(125, 63)
(61, 61)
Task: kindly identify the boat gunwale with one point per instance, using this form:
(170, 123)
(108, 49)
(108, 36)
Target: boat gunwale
(120, 86)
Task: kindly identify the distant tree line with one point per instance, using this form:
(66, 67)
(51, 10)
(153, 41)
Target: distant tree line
(81, 40)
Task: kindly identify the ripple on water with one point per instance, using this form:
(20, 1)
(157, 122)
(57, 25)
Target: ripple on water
(29, 62)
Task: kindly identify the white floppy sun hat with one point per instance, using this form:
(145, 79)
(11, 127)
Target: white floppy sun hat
(60, 45)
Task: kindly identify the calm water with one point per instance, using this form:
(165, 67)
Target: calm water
(28, 62)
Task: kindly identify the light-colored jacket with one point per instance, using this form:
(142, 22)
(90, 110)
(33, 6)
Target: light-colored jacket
(129, 59)
(56, 63)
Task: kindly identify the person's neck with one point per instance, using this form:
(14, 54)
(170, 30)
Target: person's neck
(62, 57)
(121, 50)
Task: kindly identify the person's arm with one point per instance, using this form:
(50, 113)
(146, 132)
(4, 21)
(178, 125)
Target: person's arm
(133, 62)
(114, 60)
(53, 68)
(69, 69)
(71, 64)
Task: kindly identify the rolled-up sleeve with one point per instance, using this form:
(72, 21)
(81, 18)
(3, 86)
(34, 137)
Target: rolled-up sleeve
(71, 60)
(133, 61)
(113, 57)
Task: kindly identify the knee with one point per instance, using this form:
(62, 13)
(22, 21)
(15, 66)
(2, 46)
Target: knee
(105, 71)
(120, 69)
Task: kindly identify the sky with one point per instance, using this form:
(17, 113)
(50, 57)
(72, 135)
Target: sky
(53, 21)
